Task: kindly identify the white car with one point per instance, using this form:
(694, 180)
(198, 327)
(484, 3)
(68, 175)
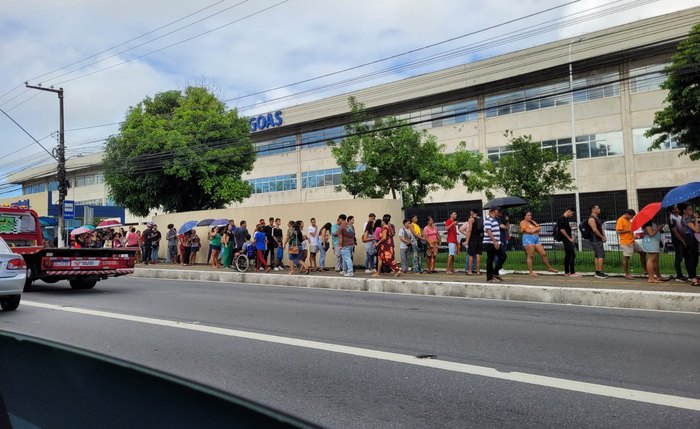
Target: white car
(13, 273)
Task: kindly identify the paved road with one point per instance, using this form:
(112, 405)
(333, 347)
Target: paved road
(484, 351)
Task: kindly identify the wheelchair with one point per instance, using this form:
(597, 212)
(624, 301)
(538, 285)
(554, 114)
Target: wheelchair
(242, 260)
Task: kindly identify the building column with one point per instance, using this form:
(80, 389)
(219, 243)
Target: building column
(297, 139)
(627, 138)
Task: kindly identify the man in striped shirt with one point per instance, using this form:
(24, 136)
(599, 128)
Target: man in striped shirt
(492, 245)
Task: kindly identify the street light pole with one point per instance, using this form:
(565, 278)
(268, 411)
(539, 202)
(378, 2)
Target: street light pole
(61, 158)
(573, 140)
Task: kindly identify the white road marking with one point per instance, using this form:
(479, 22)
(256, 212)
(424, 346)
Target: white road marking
(519, 377)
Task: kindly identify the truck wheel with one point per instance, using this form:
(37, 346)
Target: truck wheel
(28, 281)
(10, 303)
(78, 284)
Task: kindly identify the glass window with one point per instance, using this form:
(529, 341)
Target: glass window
(647, 78)
(320, 178)
(642, 143)
(276, 146)
(53, 185)
(285, 182)
(320, 138)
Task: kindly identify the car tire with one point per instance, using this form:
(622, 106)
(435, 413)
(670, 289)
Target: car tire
(28, 280)
(79, 284)
(10, 303)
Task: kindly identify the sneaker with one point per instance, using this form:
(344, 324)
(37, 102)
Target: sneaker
(342, 273)
(600, 275)
(349, 275)
(682, 279)
(368, 271)
(574, 275)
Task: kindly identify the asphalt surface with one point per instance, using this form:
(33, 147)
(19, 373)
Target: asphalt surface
(641, 350)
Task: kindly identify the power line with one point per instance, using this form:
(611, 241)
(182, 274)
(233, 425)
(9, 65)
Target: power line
(26, 132)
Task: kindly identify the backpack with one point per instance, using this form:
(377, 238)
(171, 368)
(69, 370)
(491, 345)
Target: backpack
(558, 236)
(480, 225)
(585, 230)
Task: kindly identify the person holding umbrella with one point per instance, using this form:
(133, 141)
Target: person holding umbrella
(691, 227)
(493, 246)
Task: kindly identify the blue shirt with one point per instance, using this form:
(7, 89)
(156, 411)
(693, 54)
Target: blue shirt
(491, 224)
(259, 240)
(334, 238)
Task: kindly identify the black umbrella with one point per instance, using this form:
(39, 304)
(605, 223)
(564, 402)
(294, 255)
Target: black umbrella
(505, 202)
(205, 222)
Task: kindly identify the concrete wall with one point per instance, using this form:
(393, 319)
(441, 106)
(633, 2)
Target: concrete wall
(326, 211)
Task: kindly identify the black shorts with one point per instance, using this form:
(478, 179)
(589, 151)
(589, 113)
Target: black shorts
(475, 247)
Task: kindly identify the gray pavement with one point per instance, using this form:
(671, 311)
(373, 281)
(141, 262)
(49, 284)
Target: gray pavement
(546, 287)
(642, 350)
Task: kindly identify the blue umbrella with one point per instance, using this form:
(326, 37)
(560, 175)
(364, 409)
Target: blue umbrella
(681, 194)
(219, 222)
(187, 226)
(205, 222)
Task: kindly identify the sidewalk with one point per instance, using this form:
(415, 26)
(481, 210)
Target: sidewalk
(546, 287)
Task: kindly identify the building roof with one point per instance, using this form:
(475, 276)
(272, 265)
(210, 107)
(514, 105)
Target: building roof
(643, 33)
(43, 171)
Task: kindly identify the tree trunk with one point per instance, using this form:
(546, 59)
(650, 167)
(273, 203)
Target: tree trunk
(393, 193)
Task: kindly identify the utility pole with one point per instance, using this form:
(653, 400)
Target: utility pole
(61, 158)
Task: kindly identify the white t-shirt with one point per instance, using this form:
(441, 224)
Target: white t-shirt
(404, 234)
(313, 239)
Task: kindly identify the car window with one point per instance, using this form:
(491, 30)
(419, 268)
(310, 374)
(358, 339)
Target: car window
(4, 248)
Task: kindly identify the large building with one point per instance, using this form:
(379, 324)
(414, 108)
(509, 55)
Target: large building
(612, 76)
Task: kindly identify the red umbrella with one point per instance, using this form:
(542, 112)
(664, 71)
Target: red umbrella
(110, 223)
(645, 215)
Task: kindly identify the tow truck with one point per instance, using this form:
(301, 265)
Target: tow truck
(82, 267)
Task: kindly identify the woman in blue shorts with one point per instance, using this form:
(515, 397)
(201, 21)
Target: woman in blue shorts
(531, 242)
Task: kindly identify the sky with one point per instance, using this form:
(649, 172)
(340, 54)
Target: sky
(109, 55)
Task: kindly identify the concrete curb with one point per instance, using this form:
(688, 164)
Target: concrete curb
(645, 300)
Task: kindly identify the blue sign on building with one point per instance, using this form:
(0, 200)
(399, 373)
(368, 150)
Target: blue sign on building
(266, 120)
(68, 209)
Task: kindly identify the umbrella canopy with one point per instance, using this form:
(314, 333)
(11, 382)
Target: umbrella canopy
(187, 226)
(82, 230)
(505, 202)
(219, 222)
(205, 222)
(681, 194)
(110, 223)
(645, 215)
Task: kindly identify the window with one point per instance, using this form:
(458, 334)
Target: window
(319, 178)
(285, 182)
(35, 188)
(495, 153)
(596, 86)
(449, 114)
(597, 145)
(276, 146)
(642, 143)
(53, 186)
(647, 78)
(319, 138)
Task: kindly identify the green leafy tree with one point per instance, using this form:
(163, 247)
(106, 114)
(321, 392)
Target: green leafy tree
(179, 152)
(530, 172)
(680, 119)
(387, 156)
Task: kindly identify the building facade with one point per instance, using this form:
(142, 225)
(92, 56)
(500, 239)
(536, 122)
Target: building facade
(591, 97)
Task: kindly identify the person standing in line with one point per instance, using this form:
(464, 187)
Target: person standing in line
(335, 239)
(674, 224)
(346, 239)
(277, 235)
(419, 248)
(186, 248)
(691, 228)
(597, 238)
(405, 242)
(370, 251)
(628, 244)
(215, 246)
(493, 246)
(563, 228)
(241, 235)
(195, 245)
(147, 243)
(324, 245)
(171, 237)
(224, 252)
(652, 244)
(313, 244)
(228, 244)
(475, 241)
(260, 240)
(432, 241)
(304, 244)
(270, 249)
(370, 218)
(296, 238)
(385, 246)
(451, 227)
(132, 239)
(531, 241)
(377, 236)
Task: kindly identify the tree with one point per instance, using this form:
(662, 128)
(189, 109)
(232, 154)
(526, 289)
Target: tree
(180, 152)
(530, 172)
(387, 156)
(680, 119)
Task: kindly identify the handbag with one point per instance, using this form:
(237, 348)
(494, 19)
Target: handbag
(293, 250)
(326, 246)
